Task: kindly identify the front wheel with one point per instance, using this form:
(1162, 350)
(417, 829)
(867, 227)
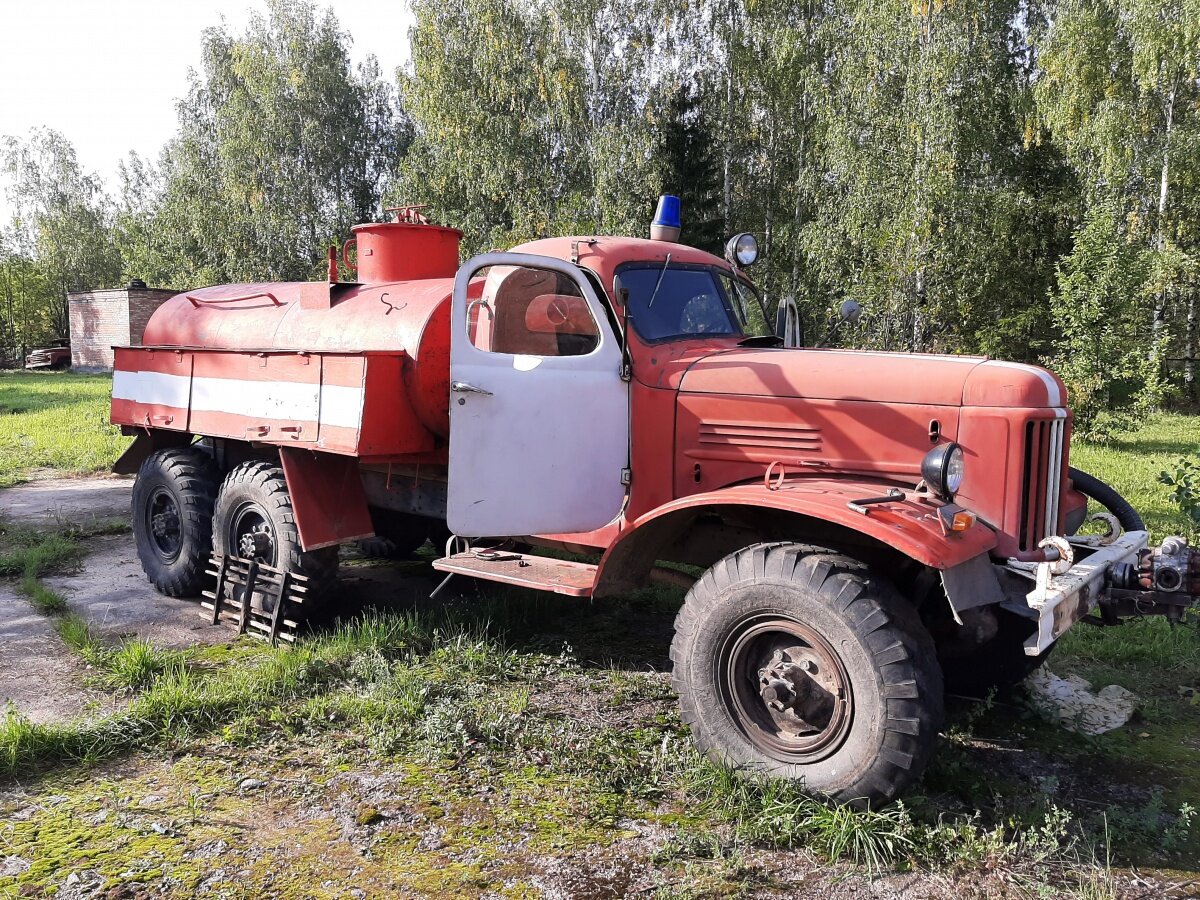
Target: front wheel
(798, 662)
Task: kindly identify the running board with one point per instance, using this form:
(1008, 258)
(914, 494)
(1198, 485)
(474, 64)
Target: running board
(540, 573)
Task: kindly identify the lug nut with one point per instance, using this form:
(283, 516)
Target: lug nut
(777, 694)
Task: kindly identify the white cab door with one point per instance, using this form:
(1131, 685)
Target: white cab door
(539, 414)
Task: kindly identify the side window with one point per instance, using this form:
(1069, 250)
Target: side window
(529, 311)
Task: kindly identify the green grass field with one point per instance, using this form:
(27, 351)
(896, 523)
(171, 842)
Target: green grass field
(1132, 464)
(55, 420)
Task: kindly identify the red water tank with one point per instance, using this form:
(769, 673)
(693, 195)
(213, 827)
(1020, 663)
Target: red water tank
(399, 251)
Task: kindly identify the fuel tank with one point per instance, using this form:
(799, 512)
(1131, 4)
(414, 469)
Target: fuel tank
(411, 317)
(352, 367)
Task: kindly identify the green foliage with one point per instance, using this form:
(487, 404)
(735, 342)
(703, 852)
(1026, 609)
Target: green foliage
(1120, 96)
(530, 118)
(1014, 179)
(58, 241)
(282, 146)
(1111, 369)
(1184, 482)
(686, 149)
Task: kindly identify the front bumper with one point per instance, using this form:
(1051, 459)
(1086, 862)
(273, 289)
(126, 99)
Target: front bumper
(1060, 598)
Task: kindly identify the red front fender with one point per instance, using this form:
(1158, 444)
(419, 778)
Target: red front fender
(908, 526)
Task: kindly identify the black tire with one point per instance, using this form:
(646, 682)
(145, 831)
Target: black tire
(379, 548)
(254, 500)
(439, 535)
(1095, 489)
(172, 512)
(888, 720)
(397, 534)
(998, 664)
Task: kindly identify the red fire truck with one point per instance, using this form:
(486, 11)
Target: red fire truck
(870, 526)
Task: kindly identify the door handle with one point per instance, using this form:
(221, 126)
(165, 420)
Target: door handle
(462, 387)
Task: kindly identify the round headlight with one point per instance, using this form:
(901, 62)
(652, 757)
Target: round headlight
(742, 249)
(942, 470)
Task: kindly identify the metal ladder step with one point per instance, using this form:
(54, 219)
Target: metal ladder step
(540, 573)
(287, 591)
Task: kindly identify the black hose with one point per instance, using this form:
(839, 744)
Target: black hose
(1093, 487)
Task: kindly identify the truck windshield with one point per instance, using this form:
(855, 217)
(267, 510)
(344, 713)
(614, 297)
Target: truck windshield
(685, 301)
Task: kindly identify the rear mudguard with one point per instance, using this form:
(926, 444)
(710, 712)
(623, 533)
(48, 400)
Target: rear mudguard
(910, 525)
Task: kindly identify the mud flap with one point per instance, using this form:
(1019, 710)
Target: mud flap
(327, 497)
(147, 442)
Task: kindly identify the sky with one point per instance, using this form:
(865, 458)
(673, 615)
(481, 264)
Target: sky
(107, 73)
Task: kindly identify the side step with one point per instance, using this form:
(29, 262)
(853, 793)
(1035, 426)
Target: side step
(238, 582)
(541, 573)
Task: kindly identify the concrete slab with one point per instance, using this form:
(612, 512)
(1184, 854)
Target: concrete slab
(112, 593)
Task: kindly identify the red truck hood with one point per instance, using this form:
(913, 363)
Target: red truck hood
(919, 378)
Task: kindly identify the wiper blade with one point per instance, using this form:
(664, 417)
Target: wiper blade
(658, 283)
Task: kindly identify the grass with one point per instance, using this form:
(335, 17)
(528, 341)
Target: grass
(1132, 464)
(55, 420)
(445, 688)
(30, 553)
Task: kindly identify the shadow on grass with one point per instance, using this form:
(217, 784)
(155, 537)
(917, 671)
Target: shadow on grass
(632, 633)
(1123, 791)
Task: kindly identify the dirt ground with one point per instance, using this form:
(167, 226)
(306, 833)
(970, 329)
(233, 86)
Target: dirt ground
(39, 675)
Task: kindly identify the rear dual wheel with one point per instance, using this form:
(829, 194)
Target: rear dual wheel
(253, 519)
(798, 662)
(172, 513)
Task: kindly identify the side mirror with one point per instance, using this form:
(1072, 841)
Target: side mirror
(848, 311)
(559, 314)
(787, 323)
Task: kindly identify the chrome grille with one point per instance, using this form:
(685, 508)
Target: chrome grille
(1041, 491)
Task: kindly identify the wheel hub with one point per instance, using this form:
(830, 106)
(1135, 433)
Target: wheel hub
(797, 690)
(787, 688)
(255, 544)
(164, 524)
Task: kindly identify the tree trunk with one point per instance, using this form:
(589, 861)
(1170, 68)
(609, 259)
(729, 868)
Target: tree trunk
(769, 217)
(1189, 364)
(798, 212)
(727, 149)
(924, 210)
(1160, 228)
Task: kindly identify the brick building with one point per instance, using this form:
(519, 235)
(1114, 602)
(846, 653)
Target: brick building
(101, 320)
